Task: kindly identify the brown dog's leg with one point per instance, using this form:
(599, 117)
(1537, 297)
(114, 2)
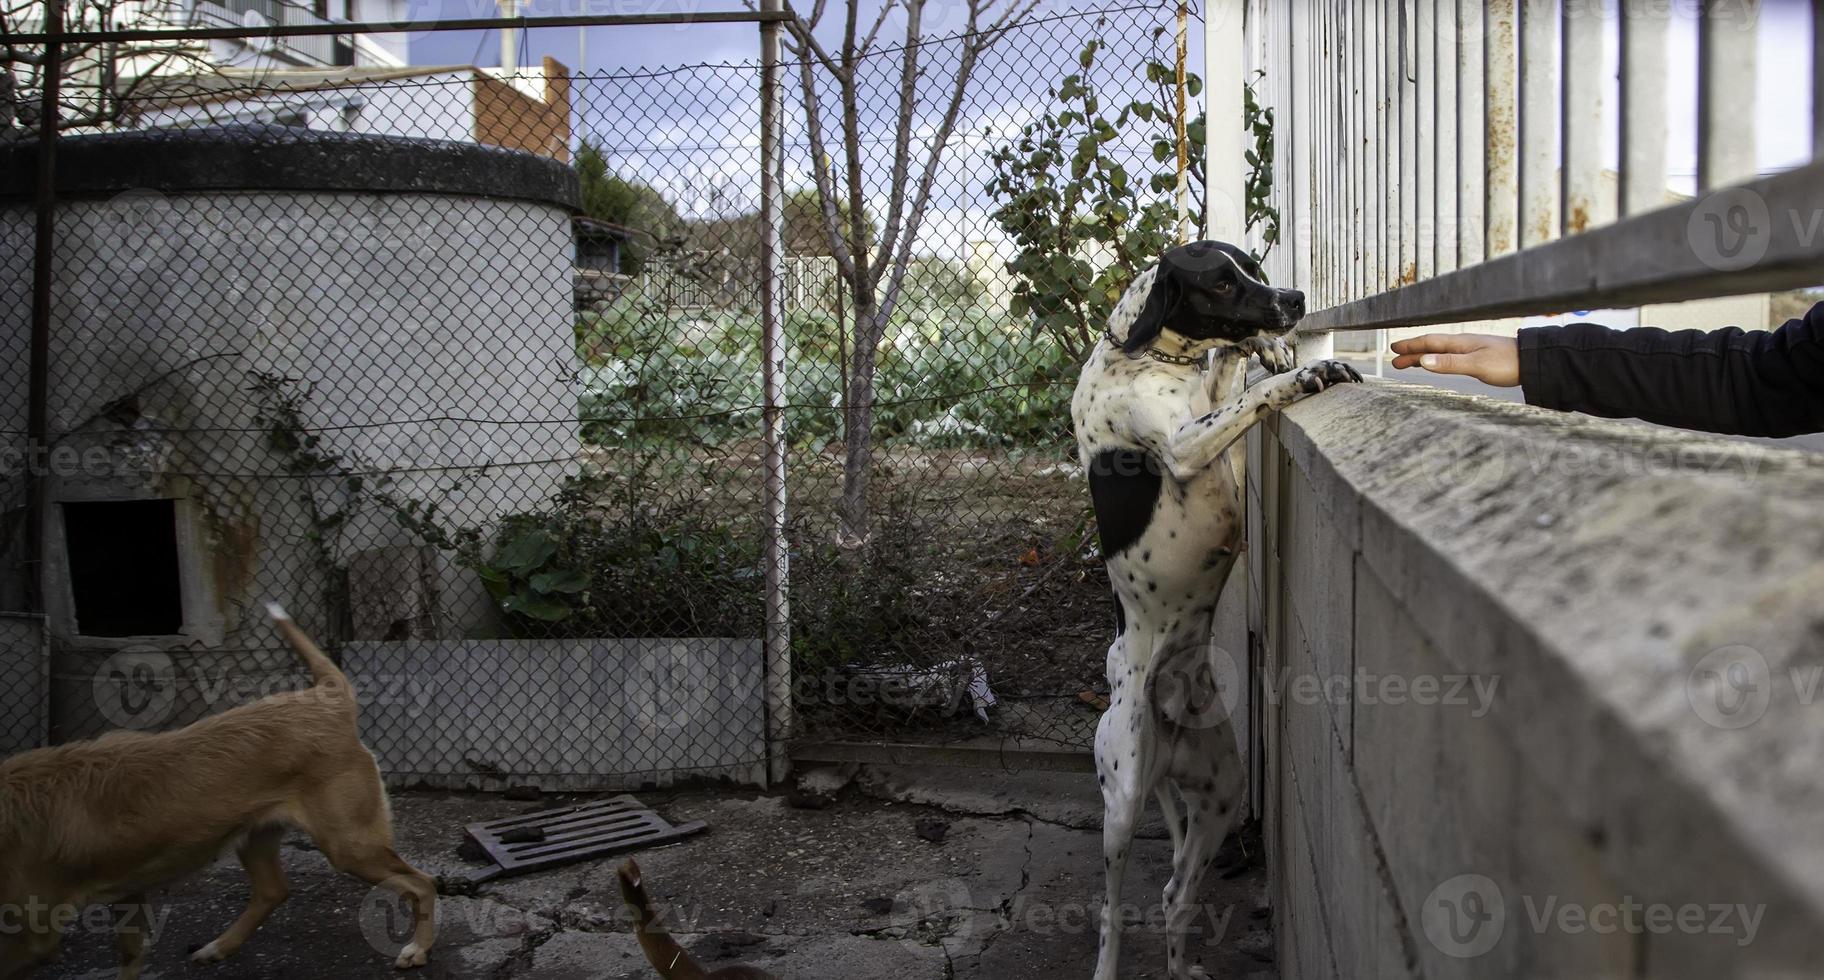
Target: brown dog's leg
(132, 920)
(384, 867)
(266, 874)
(351, 823)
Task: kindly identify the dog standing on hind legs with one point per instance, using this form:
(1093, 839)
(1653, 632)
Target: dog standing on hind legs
(1160, 438)
(103, 822)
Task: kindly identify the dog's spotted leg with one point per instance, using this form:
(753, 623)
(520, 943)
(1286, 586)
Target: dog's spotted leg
(132, 924)
(1209, 810)
(266, 874)
(1124, 766)
(1189, 447)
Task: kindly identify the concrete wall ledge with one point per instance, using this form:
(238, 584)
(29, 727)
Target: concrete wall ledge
(1645, 609)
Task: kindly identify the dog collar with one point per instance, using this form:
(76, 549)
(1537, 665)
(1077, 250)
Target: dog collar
(1157, 354)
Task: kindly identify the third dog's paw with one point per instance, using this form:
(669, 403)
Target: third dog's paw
(411, 958)
(1314, 378)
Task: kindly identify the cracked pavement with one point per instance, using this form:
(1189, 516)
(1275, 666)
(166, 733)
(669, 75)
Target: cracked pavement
(853, 886)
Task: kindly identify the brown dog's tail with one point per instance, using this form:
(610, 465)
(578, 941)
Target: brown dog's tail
(666, 956)
(322, 669)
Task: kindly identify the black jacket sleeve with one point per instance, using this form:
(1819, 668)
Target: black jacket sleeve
(1760, 383)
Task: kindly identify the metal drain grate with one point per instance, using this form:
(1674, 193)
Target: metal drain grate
(553, 837)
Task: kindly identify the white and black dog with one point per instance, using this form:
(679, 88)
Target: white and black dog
(1160, 440)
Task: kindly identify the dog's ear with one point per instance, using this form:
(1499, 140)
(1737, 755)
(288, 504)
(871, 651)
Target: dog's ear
(1160, 302)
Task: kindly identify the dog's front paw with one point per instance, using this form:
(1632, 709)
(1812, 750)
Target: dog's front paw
(1276, 354)
(208, 953)
(1315, 377)
(411, 958)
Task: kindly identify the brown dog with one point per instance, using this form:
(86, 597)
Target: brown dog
(666, 956)
(105, 821)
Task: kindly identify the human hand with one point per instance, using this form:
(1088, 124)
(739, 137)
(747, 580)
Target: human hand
(1491, 360)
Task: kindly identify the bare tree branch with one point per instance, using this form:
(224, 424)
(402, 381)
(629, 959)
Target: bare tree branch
(886, 8)
(974, 43)
(826, 191)
(866, 261)
(902, 131)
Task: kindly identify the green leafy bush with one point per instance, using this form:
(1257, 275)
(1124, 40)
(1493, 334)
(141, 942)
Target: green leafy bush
(600, 560)
(948, 377)
(1083, 224)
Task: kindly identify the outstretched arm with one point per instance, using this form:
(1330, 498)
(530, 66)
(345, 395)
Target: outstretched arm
(1760, 383)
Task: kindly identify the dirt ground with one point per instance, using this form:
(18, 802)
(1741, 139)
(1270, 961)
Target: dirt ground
(895, 874)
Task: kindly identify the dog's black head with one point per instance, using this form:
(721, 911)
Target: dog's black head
(1212, 291)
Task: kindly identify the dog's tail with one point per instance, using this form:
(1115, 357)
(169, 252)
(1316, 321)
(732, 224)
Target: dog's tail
(666, 956)
(322, 669)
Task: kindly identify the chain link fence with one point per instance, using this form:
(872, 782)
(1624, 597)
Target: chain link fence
(465, 367)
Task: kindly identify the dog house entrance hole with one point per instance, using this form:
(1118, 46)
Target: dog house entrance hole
(124, 567)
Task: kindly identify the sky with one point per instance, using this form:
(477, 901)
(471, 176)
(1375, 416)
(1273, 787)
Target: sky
(1782, 111)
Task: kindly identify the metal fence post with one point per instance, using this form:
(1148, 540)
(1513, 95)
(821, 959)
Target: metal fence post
(38, 396)
(777, 580)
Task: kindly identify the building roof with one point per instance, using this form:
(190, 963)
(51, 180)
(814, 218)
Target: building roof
(595, 226)
(235, 83)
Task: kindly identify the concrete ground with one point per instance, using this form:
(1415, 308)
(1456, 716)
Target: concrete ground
(869, 874)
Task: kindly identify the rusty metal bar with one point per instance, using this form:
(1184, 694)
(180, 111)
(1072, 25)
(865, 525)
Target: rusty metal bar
(1726, 34)
(1424, 74)
(1472, 135)
(1648, 258)
(1390, 141)
(1410, 191)
(1538, 104)
(1448, 137)
(1502, 81)
(1643, 107)
(1587, 199)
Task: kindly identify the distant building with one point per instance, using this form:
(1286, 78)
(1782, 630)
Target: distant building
(314, 51)
(599, 245)
(521, 110)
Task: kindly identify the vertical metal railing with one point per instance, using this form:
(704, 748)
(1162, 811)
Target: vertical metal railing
(1435, 138)
(1642, 178)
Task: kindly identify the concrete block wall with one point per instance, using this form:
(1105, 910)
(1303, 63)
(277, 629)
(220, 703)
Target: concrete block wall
(561, 715)
(1541, 694)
